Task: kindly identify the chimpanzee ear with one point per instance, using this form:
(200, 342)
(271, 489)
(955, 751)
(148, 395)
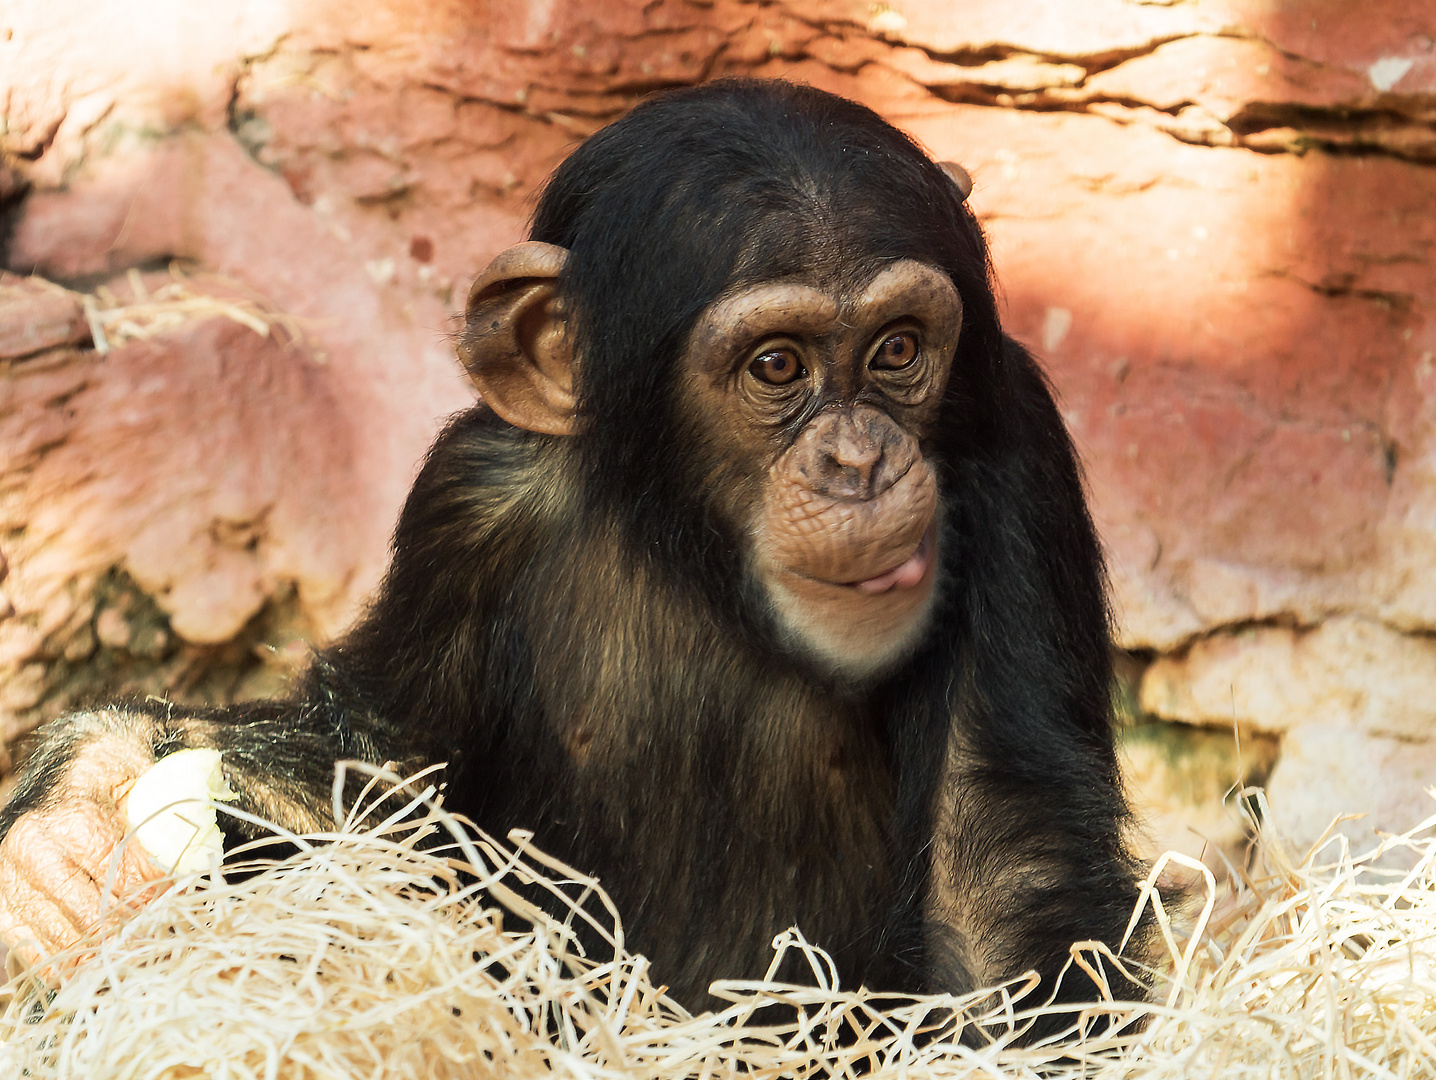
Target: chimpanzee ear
(515, 345)
(960, 177)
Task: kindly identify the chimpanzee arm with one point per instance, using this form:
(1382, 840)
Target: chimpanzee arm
(1028, 817)
(280, 768)
(66, 817)
(1021, 869)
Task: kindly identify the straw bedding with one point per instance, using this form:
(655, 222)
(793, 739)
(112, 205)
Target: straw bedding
(371, 955)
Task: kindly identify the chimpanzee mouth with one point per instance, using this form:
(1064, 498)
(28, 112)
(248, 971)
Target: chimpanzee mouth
(907, 574)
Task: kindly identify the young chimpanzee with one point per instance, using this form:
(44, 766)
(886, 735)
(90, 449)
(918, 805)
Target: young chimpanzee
(760, 585)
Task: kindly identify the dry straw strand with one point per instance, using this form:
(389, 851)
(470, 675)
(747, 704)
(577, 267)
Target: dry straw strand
(146, 313)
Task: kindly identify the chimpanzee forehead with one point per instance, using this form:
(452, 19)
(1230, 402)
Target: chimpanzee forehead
(837, 258)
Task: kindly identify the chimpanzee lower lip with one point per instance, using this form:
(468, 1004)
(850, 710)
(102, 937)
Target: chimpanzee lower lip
(907, 574)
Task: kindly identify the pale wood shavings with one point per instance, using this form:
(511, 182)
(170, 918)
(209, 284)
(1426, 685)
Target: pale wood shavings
(369, 954)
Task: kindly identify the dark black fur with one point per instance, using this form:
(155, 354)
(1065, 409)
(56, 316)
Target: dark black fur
(571, 625)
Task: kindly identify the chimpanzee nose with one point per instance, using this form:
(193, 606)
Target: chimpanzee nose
(853, 456)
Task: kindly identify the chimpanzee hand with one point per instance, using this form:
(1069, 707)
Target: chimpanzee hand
(56, 877)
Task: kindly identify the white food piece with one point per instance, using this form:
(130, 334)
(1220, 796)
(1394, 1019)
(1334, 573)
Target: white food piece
(171, 810)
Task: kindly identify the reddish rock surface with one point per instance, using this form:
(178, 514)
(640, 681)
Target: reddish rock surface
(1212, 218)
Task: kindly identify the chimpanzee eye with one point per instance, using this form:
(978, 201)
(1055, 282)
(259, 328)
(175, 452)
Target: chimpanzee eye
(897, 351)
(777, 367)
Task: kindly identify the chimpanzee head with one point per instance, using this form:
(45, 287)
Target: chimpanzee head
(761, 316)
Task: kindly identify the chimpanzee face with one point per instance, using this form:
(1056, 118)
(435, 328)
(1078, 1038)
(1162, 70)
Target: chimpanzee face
(826, 392)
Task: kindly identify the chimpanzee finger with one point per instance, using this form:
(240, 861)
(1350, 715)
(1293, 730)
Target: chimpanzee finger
(61, 877)
(33, 919)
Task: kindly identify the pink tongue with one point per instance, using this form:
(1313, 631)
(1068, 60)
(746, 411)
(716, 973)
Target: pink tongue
(904, 576)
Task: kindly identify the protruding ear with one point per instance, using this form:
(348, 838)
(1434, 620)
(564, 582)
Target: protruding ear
(959, 176)
(515, 345)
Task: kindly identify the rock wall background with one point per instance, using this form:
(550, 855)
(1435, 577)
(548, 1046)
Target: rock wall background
(236, 233)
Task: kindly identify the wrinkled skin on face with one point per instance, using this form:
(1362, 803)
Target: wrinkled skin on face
(828, 393)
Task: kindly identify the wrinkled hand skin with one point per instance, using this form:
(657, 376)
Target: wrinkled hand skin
(55, 859)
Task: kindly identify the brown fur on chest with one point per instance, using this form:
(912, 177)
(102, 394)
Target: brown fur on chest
(728, 815)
